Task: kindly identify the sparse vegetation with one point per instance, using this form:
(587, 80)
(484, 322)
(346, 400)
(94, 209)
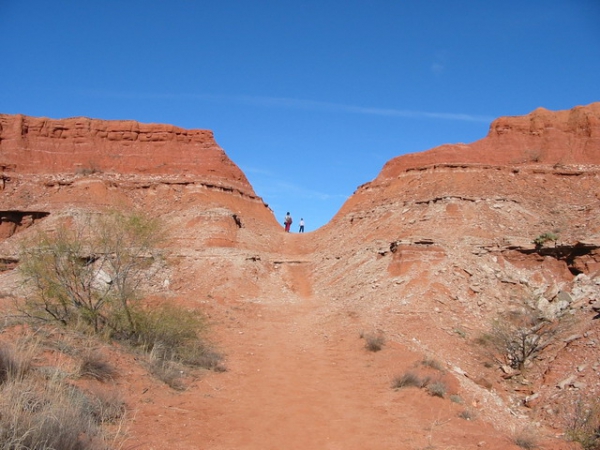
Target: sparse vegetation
(437, 389)
(460, 332)
(518, 337)
(107, 406)
(545, 237)
(12, 366)
(467, 414)
(374, 342)
(93, 365)
(456, 399)
(40, 409)
(533, 155)
(433, 363)
(170, 333)
(91, 277)
(169, 372)
(525, 439)
(91, 273)
(583, 424)
(406, 380)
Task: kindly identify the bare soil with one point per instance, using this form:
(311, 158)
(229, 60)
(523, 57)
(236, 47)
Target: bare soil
(300, 377)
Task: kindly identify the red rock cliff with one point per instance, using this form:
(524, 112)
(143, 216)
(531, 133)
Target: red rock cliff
(42, 145)
(544, 137)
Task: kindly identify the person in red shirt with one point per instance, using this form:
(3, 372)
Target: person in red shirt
(287, 222)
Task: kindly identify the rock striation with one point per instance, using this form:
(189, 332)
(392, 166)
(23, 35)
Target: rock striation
(546, 137)
(81, 145)
(430, 253)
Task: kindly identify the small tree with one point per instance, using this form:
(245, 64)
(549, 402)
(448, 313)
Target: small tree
(128, 244)
(520, 336)
(92, 271)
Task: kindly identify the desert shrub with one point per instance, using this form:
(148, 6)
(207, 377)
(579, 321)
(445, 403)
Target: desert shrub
(518, 337)
(171, 333)
(169, 372)
(92, 271)
(467, 414)
(93, 274)
(374, 341)
(406, 380)
(545, 237)
(46, 417)
(525, 439)
(201, 354)
(433, 363)
(41, 409)
(93, 365)
(167, 325)
(583, 424)
(456, 399)
(106, 406)
(12, 365)
(437, 389)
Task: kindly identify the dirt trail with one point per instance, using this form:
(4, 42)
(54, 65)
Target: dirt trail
(300, 378)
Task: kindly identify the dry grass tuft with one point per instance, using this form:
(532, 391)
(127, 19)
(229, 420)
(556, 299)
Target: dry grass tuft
(12, 365)
(525, 439)
(374, 342)
(467, 414)
(437, 389)
(46, 416)
(406, 380)
(433, 363)
(40, 409)
(93, 365)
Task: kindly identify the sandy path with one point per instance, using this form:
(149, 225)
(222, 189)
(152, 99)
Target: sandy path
(300, 378)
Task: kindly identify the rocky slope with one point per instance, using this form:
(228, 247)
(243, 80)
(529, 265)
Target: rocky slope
(427, 255)
(448, 244)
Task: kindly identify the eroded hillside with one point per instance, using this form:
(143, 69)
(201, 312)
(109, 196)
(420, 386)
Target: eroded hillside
(426, 257)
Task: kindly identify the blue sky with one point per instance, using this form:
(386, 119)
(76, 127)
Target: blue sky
(309, 98)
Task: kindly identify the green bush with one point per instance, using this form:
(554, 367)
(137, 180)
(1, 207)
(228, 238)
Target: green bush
(92, 271)
(172, 333)
(545, 237)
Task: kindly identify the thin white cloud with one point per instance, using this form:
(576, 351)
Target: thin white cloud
(439, 62)
(307, 193)
(314, 105)
(257, 171)
(437, 68)
(277, 188)
(338, 107)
